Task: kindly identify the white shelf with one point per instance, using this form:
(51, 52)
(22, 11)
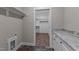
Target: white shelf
(11, 12)
(41, 18)
(43, 21)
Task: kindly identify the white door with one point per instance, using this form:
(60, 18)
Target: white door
(44, 27)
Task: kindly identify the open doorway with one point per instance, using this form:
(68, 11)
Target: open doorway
(42, 27)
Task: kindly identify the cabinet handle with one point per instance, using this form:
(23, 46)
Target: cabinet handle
(60, 42)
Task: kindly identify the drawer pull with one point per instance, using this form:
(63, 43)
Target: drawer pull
(60, 42)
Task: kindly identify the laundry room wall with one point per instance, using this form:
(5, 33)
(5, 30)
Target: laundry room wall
(28, 25)
(8, 28)
(71, 18)
(58, 17)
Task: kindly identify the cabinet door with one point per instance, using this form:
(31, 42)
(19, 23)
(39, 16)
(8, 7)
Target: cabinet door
(59, 45)
(56, 45)
(64, 48)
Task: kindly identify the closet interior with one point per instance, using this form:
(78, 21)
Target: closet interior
(42, 27)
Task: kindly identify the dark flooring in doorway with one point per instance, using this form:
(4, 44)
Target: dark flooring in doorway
(42, 44)
(34, 48)
(42, 39)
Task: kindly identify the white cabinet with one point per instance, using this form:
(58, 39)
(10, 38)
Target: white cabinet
(55, 45)
(60, 45)
(64, 48)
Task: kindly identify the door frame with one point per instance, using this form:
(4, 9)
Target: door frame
(34, 28)
(50, 31)
(51, 27)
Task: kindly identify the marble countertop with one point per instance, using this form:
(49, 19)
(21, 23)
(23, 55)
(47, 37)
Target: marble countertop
(69, 39)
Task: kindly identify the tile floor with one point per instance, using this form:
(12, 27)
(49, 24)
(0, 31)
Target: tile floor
(42, 39)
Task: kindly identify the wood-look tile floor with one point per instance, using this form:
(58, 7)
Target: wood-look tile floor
(42, 39)
(34, 48)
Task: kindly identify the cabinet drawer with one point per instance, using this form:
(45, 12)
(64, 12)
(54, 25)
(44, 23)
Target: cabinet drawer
(61, 45)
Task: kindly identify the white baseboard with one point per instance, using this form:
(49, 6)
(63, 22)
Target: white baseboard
(3, 49)
(27, 43)
(17, 46)
(24, 43)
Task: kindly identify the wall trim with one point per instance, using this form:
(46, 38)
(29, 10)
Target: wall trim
(34, 28)
(3, 49)
(17, 46)
(27, 43)
(24, 43)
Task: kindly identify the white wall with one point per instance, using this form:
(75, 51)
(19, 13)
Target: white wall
(42, 15)
(44, 27)
(8, 27)
(67, 18)
(58, 17)
(20, 9)
(71, 18)
(28, 25)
